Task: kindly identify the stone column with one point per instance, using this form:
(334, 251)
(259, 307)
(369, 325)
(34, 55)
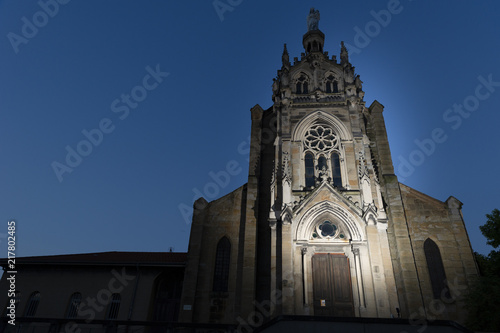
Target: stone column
(405, 271)
(466, 274)
(463, 242)
(190, 284)
(304, 276)
(389, 271)
(378, 272)
(250, 236)
(287, 268)
(359, 278)
(272, 225)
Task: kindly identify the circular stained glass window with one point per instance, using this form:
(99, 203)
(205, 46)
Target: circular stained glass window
(328, 229)
(320, 138)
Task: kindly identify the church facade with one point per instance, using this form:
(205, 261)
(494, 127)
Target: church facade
(323, 227)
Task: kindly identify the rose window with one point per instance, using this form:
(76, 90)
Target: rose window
(320, 138)
(328, 230)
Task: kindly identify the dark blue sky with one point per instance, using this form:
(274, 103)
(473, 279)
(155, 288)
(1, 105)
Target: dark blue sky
(71, 72)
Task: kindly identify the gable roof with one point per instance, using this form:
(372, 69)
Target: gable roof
(107, 258)
(325, 186)
(422, 196)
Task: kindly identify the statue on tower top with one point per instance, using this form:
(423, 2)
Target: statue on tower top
(313, 20)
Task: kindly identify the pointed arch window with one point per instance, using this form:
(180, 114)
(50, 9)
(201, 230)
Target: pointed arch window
(331, 85)
(32, 306)
(322, 163)
(309, 166)
(114, 306)
(436, 269)
(222, 262)
(74, 304)
(322, 169)
(302, 86)
(322, 160)
(336, 176)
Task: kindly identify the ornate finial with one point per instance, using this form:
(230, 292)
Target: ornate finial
(285, 58)
(344, 56)
(357, 82)
(313, 20)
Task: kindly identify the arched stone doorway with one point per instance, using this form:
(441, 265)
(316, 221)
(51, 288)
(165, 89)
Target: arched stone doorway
(332, 243)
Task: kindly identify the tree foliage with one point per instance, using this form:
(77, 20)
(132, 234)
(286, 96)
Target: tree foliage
(483, 301)
(491, 230)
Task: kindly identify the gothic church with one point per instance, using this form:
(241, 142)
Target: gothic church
(323, 227)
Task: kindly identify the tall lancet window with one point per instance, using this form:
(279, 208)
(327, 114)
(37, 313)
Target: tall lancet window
(32, 306)
(331, 84)
(302, 86)
(322, 168)
(336, 176)
(221, 271)
(322, 145)
(322, 163)
(74, 304)
(436, 269)
(114, 306)
(309, 164)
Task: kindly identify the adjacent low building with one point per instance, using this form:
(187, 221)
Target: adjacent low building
(94, 291)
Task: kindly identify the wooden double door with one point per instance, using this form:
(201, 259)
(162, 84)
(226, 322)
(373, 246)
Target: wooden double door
(332, 285)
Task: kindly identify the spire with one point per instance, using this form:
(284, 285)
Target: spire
(285, 58)
(344, 56)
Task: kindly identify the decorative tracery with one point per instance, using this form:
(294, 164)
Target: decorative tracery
(328, 230)
(331, 85)
(302, 85)
(320, 138)
(322, 156)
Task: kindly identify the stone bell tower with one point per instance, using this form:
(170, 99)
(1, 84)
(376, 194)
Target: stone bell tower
(327, 214)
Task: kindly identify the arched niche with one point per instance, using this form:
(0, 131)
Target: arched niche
(327, 210)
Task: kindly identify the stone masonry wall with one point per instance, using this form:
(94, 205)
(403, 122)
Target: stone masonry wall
(218, 219)
(430, 218)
